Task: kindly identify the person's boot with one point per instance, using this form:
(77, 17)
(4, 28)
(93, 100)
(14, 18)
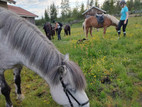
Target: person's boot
(124, 34)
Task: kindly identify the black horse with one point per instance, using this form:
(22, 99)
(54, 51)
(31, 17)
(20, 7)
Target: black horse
(49, 31)
(67, 29)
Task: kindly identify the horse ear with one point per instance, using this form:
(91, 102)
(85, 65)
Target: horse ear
(66, 59)
(62, 71)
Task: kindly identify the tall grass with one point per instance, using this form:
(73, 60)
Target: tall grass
(112, 67)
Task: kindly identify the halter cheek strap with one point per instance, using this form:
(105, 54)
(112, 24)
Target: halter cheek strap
(67, 92)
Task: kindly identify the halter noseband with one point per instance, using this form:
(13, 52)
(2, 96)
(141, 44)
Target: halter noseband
(67, 92)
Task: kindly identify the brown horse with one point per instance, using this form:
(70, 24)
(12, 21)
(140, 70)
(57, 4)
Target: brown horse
(92, 21)
(67, 29)
(48, 30)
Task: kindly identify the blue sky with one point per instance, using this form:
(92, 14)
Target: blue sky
(38, 6)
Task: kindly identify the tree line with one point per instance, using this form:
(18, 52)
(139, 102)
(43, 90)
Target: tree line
(65, 13)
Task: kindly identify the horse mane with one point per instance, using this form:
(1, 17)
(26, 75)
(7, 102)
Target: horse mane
(75, 73)
(27, 40)
(112, 18)
(30, 42)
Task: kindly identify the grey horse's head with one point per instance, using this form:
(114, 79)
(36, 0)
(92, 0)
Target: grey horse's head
(68, 76)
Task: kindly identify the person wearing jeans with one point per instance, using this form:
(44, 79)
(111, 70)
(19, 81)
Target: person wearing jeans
(123, 19)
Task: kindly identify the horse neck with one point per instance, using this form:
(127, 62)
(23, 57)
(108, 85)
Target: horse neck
(40, 55)
(35, 68)
(113, 24)
(112, 21)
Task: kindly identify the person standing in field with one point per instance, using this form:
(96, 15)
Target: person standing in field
(123, 19)
(58, 27)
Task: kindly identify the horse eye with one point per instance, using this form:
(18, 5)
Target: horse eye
(73, 90)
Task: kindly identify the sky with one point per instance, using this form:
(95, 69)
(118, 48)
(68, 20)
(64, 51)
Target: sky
(38, 6)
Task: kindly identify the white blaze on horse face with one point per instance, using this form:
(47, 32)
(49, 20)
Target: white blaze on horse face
(60, 97)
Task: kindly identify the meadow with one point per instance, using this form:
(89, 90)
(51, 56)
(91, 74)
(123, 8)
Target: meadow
(112, 67)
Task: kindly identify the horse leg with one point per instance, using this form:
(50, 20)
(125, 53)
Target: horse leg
(64, 32)
(17, 79)
(5, 89)
(104, 31)
(86, 32)
(69, 31)
(91, 31)
(49, 36)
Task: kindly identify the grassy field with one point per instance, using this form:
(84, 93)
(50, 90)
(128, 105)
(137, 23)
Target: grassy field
(112, 67)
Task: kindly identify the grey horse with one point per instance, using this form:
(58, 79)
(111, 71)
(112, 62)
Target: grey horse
(23, 44)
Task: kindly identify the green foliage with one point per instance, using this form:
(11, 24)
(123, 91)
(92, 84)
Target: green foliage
(40, 22)
(65, 8)
(53, 12)
(46, 16)
(113, 6)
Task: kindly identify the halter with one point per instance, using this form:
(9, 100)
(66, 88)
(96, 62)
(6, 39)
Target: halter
(67, 92)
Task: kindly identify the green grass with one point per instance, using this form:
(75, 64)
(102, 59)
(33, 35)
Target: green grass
(119, 60)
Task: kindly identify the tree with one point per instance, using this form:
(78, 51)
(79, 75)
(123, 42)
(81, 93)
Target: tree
(65, 7)
(82, 8)
(53, 12)
(108, 6)
(81, 11)
(130, 5)
(75, 12)
(137, 5)
(117, 7)
(46, 16)
(87, 5)
(111, 7)
(91, 3)
(96, 3)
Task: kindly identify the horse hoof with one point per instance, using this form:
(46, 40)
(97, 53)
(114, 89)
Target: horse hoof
(20, 97)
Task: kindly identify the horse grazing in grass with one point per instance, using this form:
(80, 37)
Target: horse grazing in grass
(48, 30)
(93, 21)
(53, 32)
(22, 43)
(67, 29)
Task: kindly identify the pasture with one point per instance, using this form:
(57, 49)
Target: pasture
(112, 67)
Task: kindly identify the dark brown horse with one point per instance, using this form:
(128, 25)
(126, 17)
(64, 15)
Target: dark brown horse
(92, 21)
(53, 32)
(67, 29)
(49, 31)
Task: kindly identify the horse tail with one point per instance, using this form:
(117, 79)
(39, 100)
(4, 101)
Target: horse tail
(69, 30)
(84, 27)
